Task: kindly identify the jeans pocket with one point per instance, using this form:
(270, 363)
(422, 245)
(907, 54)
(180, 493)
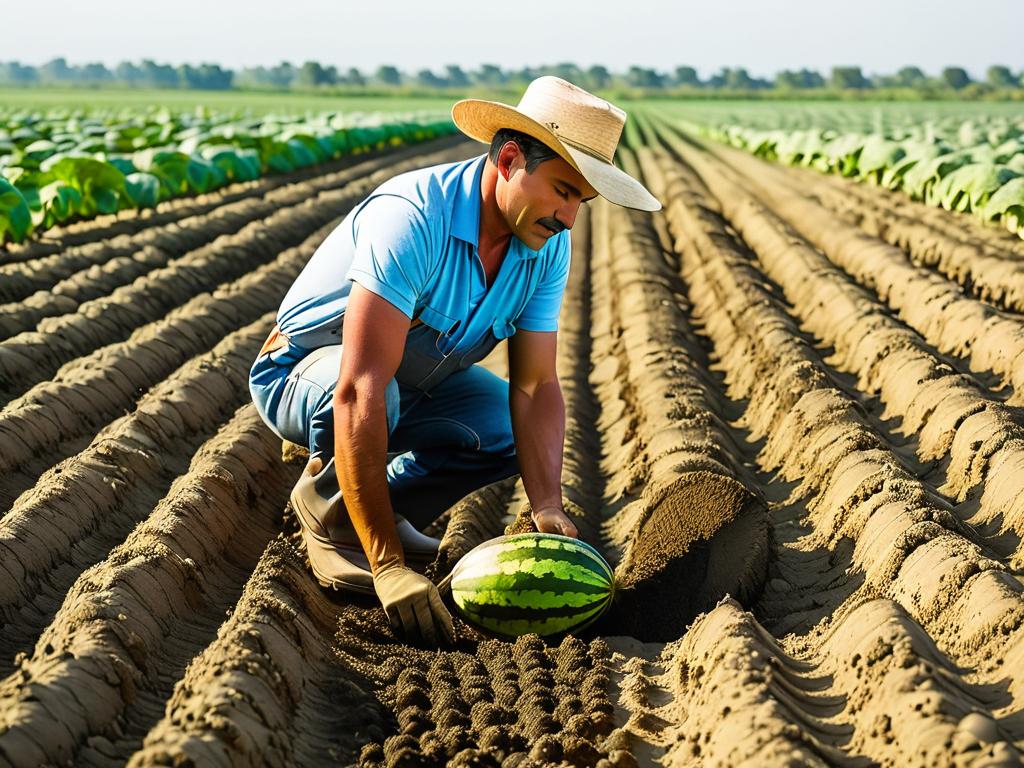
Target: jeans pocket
(321, 367)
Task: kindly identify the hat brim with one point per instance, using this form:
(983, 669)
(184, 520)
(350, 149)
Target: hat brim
(480, 120)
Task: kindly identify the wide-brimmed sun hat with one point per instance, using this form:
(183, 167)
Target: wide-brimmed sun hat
(582, 128)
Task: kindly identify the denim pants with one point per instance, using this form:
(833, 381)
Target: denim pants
(443, 443)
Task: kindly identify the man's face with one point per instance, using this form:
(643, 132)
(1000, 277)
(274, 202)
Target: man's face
(540, 204)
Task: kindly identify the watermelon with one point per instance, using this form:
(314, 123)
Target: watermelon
(532, 582)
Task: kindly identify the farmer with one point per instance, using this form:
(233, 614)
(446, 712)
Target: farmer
(419, 282)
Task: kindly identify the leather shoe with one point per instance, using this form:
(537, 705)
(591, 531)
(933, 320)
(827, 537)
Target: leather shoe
(335, 553)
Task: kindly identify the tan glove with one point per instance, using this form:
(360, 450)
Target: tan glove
(413, 604)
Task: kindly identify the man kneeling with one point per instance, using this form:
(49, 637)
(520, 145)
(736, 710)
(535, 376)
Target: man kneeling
(417, 284)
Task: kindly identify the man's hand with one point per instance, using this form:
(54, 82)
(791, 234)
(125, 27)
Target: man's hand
(413, 604)
(554, 520)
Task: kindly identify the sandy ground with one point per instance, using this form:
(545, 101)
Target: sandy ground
(793, 428)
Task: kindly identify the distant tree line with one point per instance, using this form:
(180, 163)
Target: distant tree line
(313, 76)
(146, 74)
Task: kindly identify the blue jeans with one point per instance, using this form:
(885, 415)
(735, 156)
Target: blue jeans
(449, 442)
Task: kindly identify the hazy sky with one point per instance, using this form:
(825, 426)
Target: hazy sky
(879, 35)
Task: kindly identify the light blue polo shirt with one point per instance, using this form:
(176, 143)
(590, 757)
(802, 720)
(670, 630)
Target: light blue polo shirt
(413, 242)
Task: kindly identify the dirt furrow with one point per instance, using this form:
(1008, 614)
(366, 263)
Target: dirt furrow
(676, 500)
(854, 488)
(582, 478)
(992, 274)
(910, 704)
(977, 440)
(903, 543)
(47, 423)
(876, 692)
(95, 270)
(87, 504)
(739, 700)
(990, 340)
(123, 636)
(59, 283)
(268, 690)
(24, 314)
(33, 356)
(778, 374)
(729, 297)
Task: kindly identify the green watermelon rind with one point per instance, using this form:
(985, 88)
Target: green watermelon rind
(520, 542)
(554, 625)
(483, 585)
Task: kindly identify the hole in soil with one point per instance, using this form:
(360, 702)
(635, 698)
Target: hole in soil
(703, 536)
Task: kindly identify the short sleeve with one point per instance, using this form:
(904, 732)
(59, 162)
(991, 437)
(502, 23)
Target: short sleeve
(392, 255)
(542, 309)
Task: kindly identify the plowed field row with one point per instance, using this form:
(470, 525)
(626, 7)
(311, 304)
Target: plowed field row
(986, 266)
(745, 414)
(896, 542)
(974, 439)
(32, 356)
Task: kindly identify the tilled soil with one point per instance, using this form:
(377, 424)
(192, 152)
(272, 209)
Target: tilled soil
(792, 427)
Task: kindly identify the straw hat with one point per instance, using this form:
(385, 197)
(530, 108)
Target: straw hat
(583, 129)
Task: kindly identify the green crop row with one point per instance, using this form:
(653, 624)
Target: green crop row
(971, 165)
(56, 168)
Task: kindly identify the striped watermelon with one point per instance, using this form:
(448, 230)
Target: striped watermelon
(532, 582)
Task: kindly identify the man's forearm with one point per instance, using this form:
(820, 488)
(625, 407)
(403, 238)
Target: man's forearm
(360, 450)
(538, 424)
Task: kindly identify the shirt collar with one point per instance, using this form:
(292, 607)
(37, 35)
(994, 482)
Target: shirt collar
(466, 211)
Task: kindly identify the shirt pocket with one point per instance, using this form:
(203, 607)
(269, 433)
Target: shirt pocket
(441, 322)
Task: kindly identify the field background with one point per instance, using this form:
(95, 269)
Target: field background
(791, 387)
(256, 103)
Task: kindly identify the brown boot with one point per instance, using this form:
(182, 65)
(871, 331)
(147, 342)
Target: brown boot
(334, 551)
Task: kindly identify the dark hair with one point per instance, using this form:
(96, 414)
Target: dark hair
(536, 152)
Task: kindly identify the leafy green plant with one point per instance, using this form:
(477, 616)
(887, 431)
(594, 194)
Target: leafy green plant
(142, 189)
(60, 202)
(971, 186)
(15, 217)
(65, 165)
(962, 164)
(98, 183)
(1007, 203)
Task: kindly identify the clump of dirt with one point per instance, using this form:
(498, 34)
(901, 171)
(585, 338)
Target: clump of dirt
(700, 537)
(292, 453)
(484, 703)
(523, 522)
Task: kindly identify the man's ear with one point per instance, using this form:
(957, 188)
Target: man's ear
(507, 156)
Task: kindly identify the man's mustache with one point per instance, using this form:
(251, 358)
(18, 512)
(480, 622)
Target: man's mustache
(552, 223)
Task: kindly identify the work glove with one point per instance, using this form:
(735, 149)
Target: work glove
(413, 604)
